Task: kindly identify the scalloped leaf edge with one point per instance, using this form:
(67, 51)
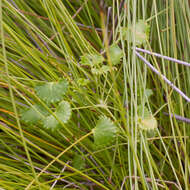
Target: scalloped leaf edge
(63, 113)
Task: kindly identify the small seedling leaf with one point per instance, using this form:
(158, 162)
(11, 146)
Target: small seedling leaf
(91, 59)
(143, 112)
(102, 70)
(146, 120)
(52, 92)
(51, 122)
(115, 54)
(148, 92)
(63, 113)
(141, 32)
(149, 123)
(104, 132)
(34, 114)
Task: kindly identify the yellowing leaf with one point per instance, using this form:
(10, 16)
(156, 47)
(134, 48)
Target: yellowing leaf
(146, 120)
(149, 123)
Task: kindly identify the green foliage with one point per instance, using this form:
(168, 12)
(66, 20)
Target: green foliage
(63, 113)
(115, 54)
(41, 41)
(142, 111)
(148, 92)
(82, 82)
(141, 32)
(52, 92)
(148, 123)
(104, 132)
(33, 114)
(91, 59)
(102, 70)
(95, 61)
(146, 120)
(79, 98)
(79, 162)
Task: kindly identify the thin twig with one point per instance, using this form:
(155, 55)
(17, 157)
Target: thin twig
(90, 27)
(76, 13)
(108, 18)
(13, 3)
(91, 157)
(163, 77)
(68, 185)
(40, 169)
(84, 27)
(163, 56)
(178, 117)
(59, 177)
(150, 180)
(38, 47)
(107, 22)
(88, 183)
(21, 66)
(116, 19)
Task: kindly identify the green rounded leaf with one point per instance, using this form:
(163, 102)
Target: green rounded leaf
(91, 59)
(148, 123)
(146, 120)
(101, 70)
(115, 54)
(104, 132)
(51, 122)
(79, 162)
(143, 112)
(141, 32)
(148, 92)
(34, 114)
(52, 92)
(63, 113)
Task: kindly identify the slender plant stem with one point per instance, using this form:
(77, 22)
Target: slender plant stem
(178, 117)
(163, 56)
(163, 77)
